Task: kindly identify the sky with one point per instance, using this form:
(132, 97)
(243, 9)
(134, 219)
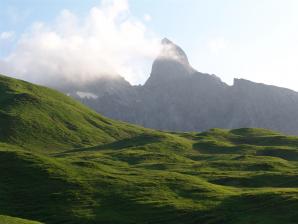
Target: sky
(80, 40)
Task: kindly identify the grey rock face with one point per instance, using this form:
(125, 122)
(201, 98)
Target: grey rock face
(177, 97)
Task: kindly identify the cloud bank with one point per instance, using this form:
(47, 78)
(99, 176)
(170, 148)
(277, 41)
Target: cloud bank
(108, 41)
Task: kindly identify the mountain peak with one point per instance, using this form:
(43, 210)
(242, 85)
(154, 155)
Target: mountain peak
(171, 51)
(171, 63)
(166, 41)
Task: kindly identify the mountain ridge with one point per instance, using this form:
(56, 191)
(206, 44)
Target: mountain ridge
(176, 97)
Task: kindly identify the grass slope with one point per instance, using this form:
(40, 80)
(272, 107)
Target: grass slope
(238, 176)
(12, 220)
(35, 116)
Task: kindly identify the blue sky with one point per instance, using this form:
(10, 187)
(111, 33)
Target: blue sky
(252, 39)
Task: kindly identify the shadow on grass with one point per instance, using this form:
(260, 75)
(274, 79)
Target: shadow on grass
(140, 140)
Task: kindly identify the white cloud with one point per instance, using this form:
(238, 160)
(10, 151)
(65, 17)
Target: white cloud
(147, 17)
(172, 52)
(109, 40)
(7, 35)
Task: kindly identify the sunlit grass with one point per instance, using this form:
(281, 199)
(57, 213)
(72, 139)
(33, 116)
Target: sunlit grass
(62, 163)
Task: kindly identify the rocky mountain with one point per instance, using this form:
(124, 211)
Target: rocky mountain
(176, 97)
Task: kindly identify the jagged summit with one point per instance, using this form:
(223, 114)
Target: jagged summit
(171, 51)
(171, 63)
(166, 41)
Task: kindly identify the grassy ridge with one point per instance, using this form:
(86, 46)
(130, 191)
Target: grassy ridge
(12, 220)
(127, 174)
(35, 116)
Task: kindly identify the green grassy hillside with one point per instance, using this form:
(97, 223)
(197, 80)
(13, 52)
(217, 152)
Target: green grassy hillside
(12, 220)
(35, 116)
(114, 172)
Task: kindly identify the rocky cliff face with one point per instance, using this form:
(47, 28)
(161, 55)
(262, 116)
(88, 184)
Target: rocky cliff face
(260, 105)
(177, 97)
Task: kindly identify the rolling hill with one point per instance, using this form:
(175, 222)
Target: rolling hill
(12, 220)
(32, 115)
(60, 162)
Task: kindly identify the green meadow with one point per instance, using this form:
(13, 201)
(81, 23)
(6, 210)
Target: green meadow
(62, 163)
